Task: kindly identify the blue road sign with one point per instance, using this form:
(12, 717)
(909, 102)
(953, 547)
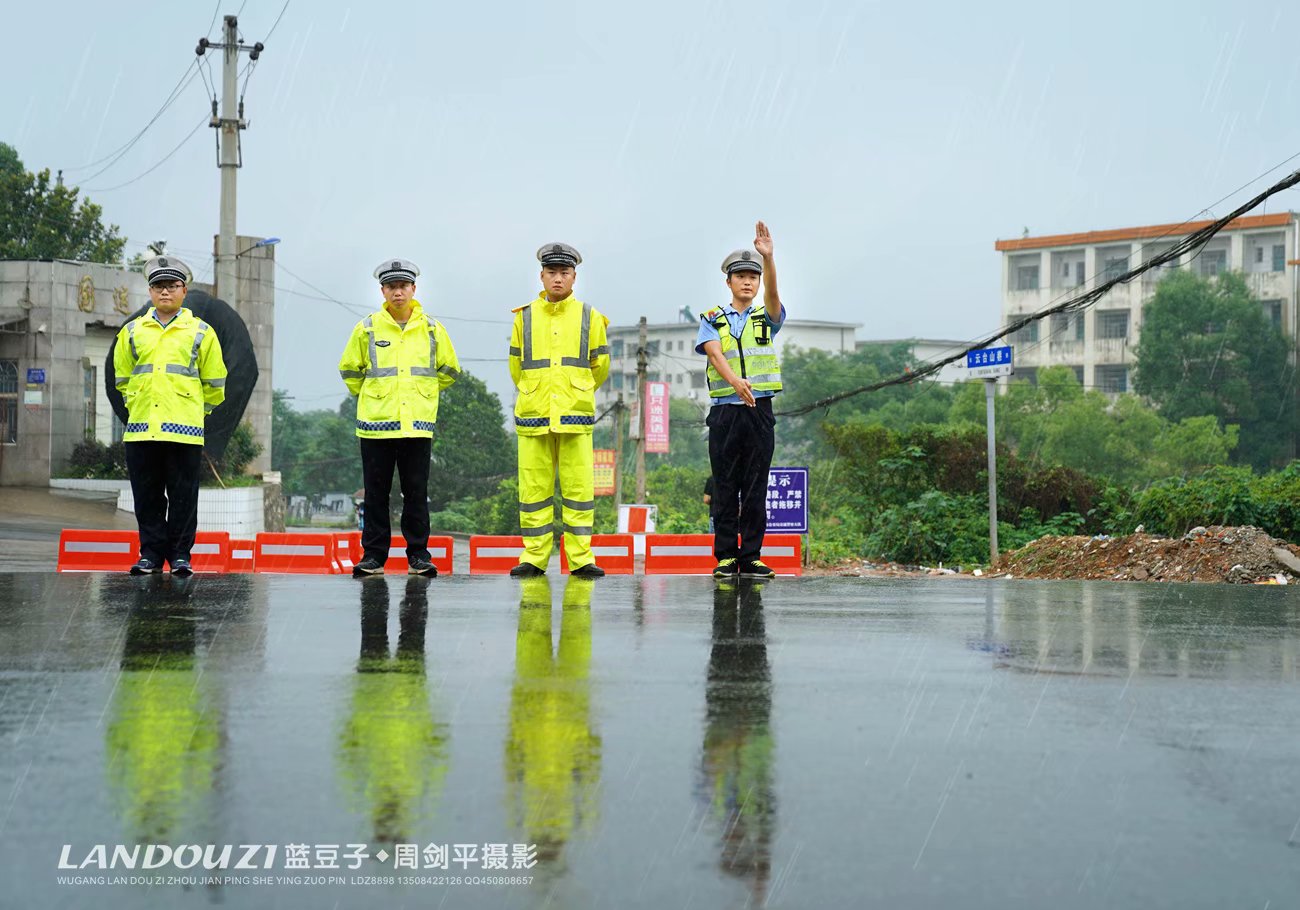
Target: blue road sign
(988, 357)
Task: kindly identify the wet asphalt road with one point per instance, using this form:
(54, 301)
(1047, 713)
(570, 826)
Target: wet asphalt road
(655, 742)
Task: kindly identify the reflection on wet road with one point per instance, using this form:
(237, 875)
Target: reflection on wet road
(652, 742)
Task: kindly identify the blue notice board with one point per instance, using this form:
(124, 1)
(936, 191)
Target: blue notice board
(787, 501)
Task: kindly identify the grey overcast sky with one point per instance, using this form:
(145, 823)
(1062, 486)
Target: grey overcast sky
(887, 145)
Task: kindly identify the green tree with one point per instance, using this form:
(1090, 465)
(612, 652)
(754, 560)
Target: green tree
(471, 451)
(41, 220)
(1208, 349)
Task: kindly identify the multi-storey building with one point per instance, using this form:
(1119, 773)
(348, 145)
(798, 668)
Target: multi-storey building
(1099, 344)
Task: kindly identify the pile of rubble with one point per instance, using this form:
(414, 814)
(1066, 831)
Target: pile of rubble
(1236, 555)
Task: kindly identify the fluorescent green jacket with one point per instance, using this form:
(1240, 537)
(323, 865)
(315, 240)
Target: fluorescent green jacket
(397, 373)
(559, 355)
(753, 357)
(170, 377)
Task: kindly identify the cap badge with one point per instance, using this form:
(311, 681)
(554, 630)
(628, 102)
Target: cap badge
(745, 255)
(396, 264)
(163, 262)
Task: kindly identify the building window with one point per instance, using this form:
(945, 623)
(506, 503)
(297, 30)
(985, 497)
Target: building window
(1026, 278)
(1027, 374)
(1112, 378)
(1279, 257)
(616, 348)
(1114, 266)
(1112, 324)
(1027, 334)
(617, 384)
(1078, 374)
(1212, 262)
(1067, 327)
(697, 380)
(652, 348)
(88, 401)
(1259, 254)
(8, 401)
(1273, 312)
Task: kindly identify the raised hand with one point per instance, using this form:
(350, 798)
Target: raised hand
(762, 239)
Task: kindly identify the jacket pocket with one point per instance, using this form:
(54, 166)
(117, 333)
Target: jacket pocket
(375, 388)
(582, 380)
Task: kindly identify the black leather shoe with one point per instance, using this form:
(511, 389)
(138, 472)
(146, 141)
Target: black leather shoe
(526, 570)
(146, 567)
(367, 567)
(181, 568)
(423, 567)
(590, 570)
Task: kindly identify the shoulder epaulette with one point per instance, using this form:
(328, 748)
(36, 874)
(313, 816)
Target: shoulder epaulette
(712, 314)
(523, 307)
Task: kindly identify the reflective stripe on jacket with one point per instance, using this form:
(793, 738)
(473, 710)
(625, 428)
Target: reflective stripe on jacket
(753, 357)
(397, 373)
(559, 355)
(170, 377)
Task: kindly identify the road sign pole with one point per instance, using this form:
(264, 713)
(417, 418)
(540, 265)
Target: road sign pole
(990, 392)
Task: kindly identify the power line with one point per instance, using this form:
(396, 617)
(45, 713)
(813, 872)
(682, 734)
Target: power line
(188, 137)
(1189, 242)
(275, 24)
(116, 155)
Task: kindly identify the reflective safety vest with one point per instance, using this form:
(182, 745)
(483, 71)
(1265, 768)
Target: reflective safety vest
(753, 357)
(397, 372)
(170, 377)
(559, 355)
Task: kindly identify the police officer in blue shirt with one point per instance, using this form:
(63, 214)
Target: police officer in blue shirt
(738, 338)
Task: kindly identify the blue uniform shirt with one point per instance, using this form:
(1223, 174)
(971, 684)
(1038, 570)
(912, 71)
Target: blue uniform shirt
(736, 321)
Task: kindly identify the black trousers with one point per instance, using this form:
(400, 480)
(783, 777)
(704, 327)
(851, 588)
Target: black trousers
(165, 485)
(741, 440)
(410, 455)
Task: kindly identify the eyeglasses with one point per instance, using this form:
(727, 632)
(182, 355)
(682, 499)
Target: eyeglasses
(174, 288)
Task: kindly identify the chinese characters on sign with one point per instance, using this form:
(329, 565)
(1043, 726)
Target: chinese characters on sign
(656, 417)
(604, 472)
(787, 500)
(987, 363)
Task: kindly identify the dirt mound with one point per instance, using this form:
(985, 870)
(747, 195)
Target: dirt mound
(1242, 555)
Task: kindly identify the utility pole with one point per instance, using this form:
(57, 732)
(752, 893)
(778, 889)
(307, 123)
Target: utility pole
(229, 157)
(990, 393)
(642, 359)
(618, 451)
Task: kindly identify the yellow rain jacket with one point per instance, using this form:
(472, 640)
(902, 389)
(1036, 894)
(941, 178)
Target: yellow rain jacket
(170, 377)
(397, 373)
(559, 355)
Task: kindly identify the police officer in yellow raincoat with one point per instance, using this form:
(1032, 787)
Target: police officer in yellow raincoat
(167, 365)
(397, 362)
(559, 355)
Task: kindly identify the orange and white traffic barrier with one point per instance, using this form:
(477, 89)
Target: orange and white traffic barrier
(295, 554)
(211, 552)
(97, 551)
(615, 553)
(491, 554)
(347, 551)
(783, 553)
(441, 550)
(679, 554)
(241, 556)
(692, 554)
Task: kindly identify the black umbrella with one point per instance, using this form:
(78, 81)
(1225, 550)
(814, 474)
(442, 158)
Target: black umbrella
(241, 366)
